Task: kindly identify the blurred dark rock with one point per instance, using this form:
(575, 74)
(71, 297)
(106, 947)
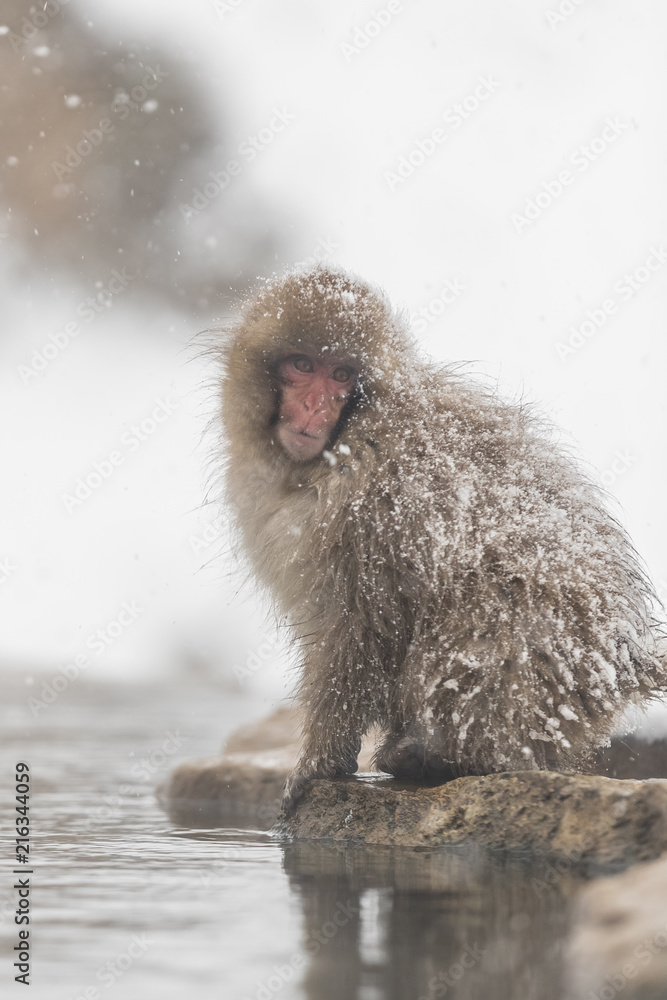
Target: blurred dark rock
(633, 757)
(280, 729)
(104, 141)
(573, 819)
(238, 789)
(618, 944)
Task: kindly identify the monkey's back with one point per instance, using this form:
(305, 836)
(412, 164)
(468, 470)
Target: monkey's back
(530, 622)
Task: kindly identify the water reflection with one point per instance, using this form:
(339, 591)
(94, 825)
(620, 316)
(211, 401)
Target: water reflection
(127, 901)
(427, 923)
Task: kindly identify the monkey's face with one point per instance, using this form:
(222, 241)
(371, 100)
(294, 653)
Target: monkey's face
(313, 392)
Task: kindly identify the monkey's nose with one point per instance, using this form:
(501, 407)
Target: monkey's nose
(314, 403)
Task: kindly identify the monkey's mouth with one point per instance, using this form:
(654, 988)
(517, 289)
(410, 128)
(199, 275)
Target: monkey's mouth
(302, 445)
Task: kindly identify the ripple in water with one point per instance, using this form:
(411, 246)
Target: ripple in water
(125, 904)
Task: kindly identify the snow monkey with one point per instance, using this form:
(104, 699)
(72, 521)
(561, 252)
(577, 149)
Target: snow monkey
(448, 572)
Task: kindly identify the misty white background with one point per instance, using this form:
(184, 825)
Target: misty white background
(354, 117)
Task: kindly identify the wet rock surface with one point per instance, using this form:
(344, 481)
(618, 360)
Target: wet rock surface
(618, 943)
(580, 820)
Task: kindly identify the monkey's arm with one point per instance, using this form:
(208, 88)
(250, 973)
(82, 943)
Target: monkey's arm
(340, 693)
(360, 623)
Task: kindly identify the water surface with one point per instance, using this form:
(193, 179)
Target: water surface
(126, 904)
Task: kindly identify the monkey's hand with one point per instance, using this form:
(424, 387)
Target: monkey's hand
(297, 783)
(303, 775)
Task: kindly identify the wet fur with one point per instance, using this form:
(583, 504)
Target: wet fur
(449, 572)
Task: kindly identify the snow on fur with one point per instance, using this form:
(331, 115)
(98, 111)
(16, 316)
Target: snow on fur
(451, 574)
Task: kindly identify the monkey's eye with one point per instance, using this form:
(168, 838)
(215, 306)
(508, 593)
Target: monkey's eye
(341, 374)
(303, 364)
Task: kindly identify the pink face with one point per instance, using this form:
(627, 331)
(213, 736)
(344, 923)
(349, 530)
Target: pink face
(313, 394)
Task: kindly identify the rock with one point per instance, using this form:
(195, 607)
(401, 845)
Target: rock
(237, 789)
(577, 820)
(245, 784)
(619, 940)
(281, 729)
